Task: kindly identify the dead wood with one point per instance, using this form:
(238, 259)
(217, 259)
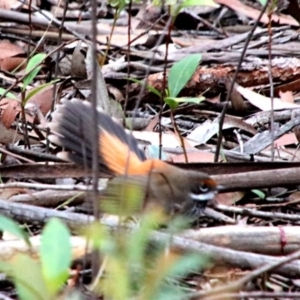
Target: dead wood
(252, 74)
(259, 179)
(65, 170)
(50, 198)
(218, 255)
(264, 240)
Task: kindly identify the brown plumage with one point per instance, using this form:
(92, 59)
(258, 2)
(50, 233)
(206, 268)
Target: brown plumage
(162, 185)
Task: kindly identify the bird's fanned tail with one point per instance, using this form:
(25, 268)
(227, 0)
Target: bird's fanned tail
(71, 129)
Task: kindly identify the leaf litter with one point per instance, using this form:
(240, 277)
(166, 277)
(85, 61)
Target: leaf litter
(253, 135)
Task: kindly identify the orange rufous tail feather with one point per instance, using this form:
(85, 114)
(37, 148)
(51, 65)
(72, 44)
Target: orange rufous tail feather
(118, 151)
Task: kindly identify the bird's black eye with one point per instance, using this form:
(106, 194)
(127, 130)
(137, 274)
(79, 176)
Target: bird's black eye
(203, 188)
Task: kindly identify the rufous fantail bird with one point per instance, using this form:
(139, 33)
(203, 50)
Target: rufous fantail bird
(170, 188)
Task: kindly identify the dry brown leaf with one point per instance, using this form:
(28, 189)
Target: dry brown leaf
(194, 157)
(10, 56)
(115, 92)
(229, 198)
(42, 100)
(137, 123)
(153, 123)
(262, 102)
(78, 67)
(40, 103)
(10, 112)
(8, 136)
(293, 85)
(287, 139)
(216, 99)
(10, 4)
(169, 140)
(104, 103)
(120, 37)
(254, 13)
(7, 193)
(8, 49)
(183, 41)
(236, 99)
(294, 196)
(11, 63)
(287, 96)
(205, 131)
(147, 14)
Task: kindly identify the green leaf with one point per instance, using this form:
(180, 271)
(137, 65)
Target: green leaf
(116, 284)
(176, 6)
(138, 240)
(55, 254)
(173, 102)
(148, 87)
(27, 277)
(7, 224)
(186, 3)
(176, 9)
(259, 193)
(168, 2)
(172, 291)
(100, 237)
(34, 91)
(33, 67)
(8, 95)
(181, 72)
(199, 2)
(263, 2)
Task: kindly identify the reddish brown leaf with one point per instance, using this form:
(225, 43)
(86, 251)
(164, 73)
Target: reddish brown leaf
(9, 4)
(229, 198)
(42, 100)
(286, 96)
(253, 13)
(10, 112)
(198, 156)
(8, 49)
(11, 63)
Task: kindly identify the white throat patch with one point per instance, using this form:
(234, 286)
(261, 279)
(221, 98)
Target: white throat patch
(203, 197)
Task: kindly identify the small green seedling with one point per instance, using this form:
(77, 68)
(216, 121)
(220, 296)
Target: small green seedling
(39, 279)
(176, 6)
(32, 69)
